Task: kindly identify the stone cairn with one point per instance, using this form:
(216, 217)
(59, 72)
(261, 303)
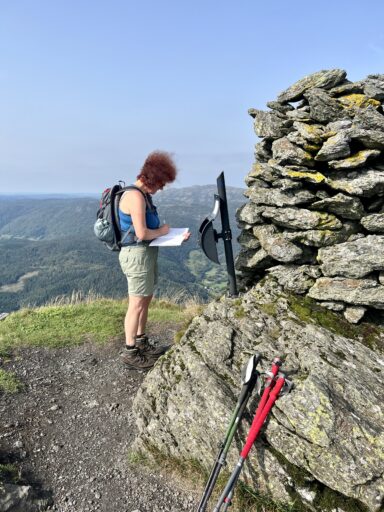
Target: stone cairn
(315, 216)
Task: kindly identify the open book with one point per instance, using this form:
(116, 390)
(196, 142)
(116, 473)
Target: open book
(174, 237)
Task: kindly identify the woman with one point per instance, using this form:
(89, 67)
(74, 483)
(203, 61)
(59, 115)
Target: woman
(140, 224)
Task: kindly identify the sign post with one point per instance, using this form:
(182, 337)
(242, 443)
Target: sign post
(208, 236)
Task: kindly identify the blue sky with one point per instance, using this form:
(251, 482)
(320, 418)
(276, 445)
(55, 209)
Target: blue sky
(88, 87)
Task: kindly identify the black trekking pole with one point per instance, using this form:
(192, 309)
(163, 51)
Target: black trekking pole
(249, 379)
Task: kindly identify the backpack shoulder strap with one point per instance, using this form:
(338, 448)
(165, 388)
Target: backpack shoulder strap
(147, 199)
(132, 187)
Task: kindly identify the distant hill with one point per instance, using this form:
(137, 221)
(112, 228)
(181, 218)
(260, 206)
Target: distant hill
(46, 218)
(48, 248)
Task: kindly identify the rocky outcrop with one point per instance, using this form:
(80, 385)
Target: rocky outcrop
(324, 440)
(312, 275)
(318, 183)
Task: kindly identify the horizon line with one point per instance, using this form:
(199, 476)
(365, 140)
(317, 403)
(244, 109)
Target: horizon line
(8, 194)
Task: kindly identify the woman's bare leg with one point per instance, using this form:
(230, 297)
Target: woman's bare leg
(137, 308)
(143, 316)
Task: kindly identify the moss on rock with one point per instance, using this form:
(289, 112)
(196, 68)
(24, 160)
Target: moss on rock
(308, 311)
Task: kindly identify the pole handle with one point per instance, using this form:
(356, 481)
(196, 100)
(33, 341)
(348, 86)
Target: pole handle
(259, 420)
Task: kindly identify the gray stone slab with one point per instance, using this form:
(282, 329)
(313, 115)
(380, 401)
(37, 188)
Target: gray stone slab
(353, 259)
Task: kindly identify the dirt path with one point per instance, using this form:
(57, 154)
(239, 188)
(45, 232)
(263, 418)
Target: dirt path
(71, 428)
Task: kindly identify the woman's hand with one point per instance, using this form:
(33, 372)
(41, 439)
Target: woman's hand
(164, 229)
(187, 235)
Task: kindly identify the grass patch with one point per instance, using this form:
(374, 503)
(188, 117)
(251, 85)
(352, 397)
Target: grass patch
(326, 499)
(250, 500)
(268, 307)
(9, 473)
(72, 324)
(137, 458)
(191, 475)
(180, 333)
(239, 312)
(189, 314)
(9, 382)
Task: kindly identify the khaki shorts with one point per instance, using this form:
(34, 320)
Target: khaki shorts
(139, 264)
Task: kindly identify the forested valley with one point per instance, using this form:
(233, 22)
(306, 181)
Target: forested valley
(48, 249)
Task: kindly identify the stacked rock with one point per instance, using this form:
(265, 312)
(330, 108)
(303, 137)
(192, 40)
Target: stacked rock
(315, 216)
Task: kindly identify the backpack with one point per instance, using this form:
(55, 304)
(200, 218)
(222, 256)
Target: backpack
(107, 225)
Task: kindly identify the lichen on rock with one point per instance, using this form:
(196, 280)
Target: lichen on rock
(185, 403)
(356, 160)
(335, 154)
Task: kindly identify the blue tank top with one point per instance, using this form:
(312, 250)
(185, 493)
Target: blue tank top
(152, 220)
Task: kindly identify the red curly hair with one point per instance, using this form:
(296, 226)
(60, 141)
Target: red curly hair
(158, 170)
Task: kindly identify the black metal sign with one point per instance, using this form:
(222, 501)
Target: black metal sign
(208, 236)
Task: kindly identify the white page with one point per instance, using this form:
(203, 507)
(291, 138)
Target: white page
(174, 237)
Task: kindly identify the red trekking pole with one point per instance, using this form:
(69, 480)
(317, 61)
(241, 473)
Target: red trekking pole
(272, 391)
(269, 384)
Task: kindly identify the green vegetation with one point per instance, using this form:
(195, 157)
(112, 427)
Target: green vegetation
(136, 458)
(325, 499)
(212, 277)
(239, 312)
(308, 311)
(193, 476)
(62, 267)
(9, 382)
(251, 500)
(64, 325)
(38, 243)
(190, 312)
(268, 307)
(328, 500)
(9, 473)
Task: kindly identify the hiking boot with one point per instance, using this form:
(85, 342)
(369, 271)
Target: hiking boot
(150, 350)
(135, 359)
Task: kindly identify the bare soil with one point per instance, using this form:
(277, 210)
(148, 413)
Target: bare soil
(70, 430)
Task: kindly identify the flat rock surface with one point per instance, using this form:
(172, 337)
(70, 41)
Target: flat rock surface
(353, 259)
(71, 428)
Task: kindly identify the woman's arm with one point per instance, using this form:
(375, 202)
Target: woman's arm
(133, 203)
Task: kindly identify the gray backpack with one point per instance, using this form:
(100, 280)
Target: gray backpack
(107, 225)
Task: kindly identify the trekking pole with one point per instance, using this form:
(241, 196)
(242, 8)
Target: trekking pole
(249, 379)
(269, 383)
(257, 423)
